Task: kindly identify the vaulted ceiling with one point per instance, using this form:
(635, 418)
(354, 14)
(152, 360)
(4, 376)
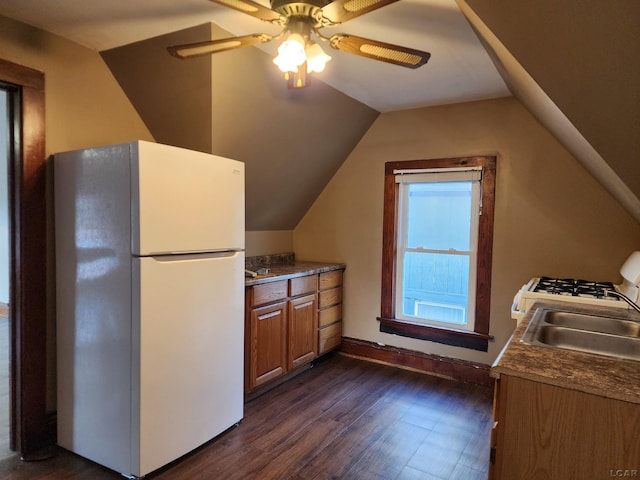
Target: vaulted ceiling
(459, 69)
(572, 63)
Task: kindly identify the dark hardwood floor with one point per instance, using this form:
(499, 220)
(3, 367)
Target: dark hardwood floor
(342, 419)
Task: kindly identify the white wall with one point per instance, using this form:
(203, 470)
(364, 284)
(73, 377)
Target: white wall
(4, 203)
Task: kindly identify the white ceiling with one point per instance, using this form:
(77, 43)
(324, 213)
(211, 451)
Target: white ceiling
(459, 69)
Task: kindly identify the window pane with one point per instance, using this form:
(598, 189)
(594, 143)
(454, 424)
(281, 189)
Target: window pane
(439, 215)
(436, 287)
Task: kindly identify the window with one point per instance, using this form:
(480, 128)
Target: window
(437, 242)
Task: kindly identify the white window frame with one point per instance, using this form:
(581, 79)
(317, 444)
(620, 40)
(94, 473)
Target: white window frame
(404, 178)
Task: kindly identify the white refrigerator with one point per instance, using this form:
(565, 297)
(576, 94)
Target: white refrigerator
(149, 302)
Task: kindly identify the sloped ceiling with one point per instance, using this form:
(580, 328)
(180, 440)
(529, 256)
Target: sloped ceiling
(459, 69)
(583, 56)
(292, 141)
(580, 55)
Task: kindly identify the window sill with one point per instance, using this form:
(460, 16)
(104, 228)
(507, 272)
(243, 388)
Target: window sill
(447, 336)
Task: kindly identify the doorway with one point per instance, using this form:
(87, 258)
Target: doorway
(5, 451)
(28, 247)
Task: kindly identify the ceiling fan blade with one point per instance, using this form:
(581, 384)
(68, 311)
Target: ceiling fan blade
(386, 52)
(252, 8)
(339, 11)
(214, 46)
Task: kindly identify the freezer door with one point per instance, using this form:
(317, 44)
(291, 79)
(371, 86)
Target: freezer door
(191, 342)
(185, 201)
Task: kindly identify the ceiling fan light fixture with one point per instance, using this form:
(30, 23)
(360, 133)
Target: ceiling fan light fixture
(291, 53)
(284, 65)
(299, 79)
(316, 58)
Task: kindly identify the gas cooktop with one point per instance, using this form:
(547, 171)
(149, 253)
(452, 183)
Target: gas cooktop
(581, 291)
(570, 286)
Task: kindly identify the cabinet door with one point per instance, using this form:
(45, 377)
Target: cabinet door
(565, 433)
(303, 328)
(268, 358)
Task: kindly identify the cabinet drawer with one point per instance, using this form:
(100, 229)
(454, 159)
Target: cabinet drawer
(302, 285)
(330, 297)
(330, 279)
(330, 337)
(269, 292)
(330, 315)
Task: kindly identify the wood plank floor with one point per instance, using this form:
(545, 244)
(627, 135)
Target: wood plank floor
(343, 419)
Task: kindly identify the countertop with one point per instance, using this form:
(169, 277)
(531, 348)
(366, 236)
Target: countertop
(282, 271)
(595, 374)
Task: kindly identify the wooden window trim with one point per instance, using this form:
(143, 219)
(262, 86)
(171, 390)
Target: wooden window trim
(479, 338)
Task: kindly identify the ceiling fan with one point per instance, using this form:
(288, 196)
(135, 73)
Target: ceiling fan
(299, 54)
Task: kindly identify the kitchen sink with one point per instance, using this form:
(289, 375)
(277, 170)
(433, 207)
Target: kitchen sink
(593, 323)
(590, 342)
(614, 337)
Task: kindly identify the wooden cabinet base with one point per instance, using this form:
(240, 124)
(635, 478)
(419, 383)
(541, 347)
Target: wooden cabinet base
(288, 324)
(545, 431)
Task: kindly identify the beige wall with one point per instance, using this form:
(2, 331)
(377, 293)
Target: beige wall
(266, 242)
(584, 55)
(552, 217)
(84, 104)
(601, 133)
(84, 107)
(172, 96)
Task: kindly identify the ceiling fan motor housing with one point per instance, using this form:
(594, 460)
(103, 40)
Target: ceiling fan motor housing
(308, 11)
(282, 6)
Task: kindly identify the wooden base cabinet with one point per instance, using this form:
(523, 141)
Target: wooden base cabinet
(265, 333)
(281, 328)
(289, 323)
(548, 432)
(330, 311)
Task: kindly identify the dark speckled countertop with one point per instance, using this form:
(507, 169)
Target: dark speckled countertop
(596, 374)
(281, 271)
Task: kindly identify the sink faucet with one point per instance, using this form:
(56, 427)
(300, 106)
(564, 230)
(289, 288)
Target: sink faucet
(622, 296)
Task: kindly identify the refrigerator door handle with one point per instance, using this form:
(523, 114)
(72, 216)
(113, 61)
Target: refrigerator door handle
(183, 256)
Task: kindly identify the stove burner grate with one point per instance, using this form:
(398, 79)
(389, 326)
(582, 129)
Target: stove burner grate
(576, 288)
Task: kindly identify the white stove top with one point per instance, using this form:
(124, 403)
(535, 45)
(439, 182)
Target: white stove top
(562, 290)
(580, 291)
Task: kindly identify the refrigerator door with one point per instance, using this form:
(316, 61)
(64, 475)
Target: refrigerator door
(188, 373)
(185, 201)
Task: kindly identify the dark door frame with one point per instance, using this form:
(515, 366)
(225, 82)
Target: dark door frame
(30, 430)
